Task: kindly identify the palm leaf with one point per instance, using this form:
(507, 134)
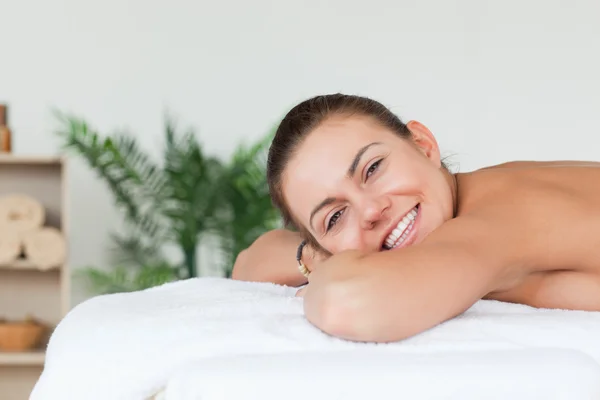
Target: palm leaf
(121, 164)
(113, 281)
(153, 275)
(135, 250)
(245, 191)
(177, 202)
(121, 279)
(190, 199)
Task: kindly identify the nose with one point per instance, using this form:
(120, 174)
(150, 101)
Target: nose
(373, 211)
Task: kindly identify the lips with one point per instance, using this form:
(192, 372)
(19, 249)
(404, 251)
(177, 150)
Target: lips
(401, 231)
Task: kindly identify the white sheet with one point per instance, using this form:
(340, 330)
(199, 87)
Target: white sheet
(549, 374)
(128, 346)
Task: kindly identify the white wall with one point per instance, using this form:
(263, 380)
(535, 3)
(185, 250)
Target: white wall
(494, 80)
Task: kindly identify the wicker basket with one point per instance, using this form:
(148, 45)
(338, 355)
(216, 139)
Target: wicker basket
(20, 336)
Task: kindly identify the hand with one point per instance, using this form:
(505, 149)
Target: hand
(344, 262)
(331, 288)
(311, 259)
(272, 258)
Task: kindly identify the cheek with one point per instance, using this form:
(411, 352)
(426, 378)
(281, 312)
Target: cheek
(427, 181)
(438, 204)
(432, 219)
(348, 238)
(409, 179)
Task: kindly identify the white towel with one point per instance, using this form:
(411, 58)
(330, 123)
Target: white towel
(384, 374)
(127, 346)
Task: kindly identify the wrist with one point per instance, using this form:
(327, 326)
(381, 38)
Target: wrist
(301, 259)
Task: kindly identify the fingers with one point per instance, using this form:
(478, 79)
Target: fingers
(300, 293)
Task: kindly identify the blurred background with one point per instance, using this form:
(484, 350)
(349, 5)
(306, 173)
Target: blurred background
(139, 92)
(494, 81)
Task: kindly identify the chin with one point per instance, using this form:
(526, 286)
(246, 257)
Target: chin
(431, 221)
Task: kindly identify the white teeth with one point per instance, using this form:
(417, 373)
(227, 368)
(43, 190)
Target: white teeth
(400, 233)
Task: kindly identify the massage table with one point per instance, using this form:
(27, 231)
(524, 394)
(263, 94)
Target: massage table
(215, 338)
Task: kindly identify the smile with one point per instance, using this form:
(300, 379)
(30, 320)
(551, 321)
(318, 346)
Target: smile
(402, 231)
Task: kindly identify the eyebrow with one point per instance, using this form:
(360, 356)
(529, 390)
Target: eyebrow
(357, 157)
(350, 173)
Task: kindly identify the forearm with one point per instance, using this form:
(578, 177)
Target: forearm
(393, 295)
(271, 259)
(392, 301)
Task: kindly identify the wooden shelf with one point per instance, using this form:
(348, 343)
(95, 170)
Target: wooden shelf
(25, 265)
(30, 160)
(31, 358)
(24, 288)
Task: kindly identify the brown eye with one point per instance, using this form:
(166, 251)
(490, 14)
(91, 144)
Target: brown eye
(373, 168)
(334, 219)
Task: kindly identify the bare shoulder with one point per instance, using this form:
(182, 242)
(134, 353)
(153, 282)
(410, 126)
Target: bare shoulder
(553, 210)
(549, 212)
(543, 164)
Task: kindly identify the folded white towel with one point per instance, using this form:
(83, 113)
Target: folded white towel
(127, 346)
(378, 373)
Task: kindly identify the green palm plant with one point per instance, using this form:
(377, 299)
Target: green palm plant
(187, 197)
(249, 211)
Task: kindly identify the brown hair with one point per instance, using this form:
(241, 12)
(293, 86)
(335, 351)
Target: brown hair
(303, 119)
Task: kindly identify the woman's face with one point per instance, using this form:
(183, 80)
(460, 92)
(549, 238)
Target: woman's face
(356, 185)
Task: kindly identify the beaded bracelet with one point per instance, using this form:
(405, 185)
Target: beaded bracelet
(303, 270)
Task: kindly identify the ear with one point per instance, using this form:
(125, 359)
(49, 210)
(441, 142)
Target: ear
(425, 142)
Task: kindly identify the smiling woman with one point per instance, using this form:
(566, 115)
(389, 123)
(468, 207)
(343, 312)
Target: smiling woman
(399, 243)
(347, 197)
(350, 162)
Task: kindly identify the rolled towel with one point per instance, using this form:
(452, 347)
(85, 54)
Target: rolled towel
(21, 213)
(45, 248)
(10, 246)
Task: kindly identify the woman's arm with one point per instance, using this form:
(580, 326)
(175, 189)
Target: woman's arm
(272, 258)
(392, 295)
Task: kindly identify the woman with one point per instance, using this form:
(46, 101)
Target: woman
(398, 244)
